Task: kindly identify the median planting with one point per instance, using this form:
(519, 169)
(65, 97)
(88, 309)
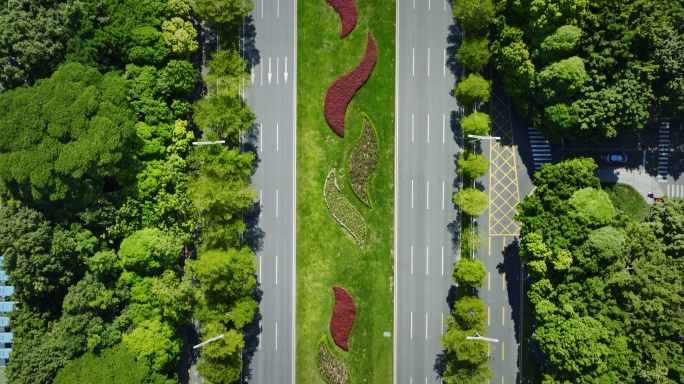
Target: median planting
(343, 317)
(348, 14)
(342, 90)
(332, 370)
(362, 161)
(342, 210)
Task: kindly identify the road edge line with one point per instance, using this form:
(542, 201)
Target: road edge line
(294, 199)
(396, 179)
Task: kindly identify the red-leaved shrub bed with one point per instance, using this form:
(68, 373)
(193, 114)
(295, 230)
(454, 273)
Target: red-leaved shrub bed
(332, 370)
(362, 161)
(348, 14)
(343, 317)
(342, 90)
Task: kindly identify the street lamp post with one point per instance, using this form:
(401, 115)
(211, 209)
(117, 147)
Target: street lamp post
(209, 341)
(208, 142)
(478, 337)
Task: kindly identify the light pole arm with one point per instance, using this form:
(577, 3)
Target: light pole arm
(208, 341)
(208, 142)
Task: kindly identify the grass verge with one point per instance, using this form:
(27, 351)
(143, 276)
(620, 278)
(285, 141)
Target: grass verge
(327, 254)
(626, 199)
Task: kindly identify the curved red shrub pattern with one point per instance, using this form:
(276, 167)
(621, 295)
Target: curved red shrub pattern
(342, 90)
(343, 317)
(347, 11)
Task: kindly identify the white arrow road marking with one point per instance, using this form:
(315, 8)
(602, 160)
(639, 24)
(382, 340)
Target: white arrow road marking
(285, 74)
(269, 70)
(252, 74)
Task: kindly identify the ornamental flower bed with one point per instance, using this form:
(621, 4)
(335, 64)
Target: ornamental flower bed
(332, 370)
(343, 317)
(348, 14)
(342, 90)
(362, 161)
(342, 210)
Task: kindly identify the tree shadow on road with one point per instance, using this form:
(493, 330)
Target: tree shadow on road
(252, 332)
(454, 40)
(248, 41)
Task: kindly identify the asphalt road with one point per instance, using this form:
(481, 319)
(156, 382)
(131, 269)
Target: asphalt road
(425, 146)
(270, 41)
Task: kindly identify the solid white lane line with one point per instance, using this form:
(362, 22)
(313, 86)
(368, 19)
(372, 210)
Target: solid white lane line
(277, 70)
(426, 326)
(429, 4)
(445, 5)
(412, 124)
(443, 126)
(427, 259)
(411, 325)
(442, 261)
(277, 137)
(428, 129)
(269, 70)
(276, 203)
(444, 59)
(414, 4)
(276, 336)
(428, 62)
(413, 50)
(279, 9)
(442, 195)
(411, 193)
(412, 259)
(276, 268)
(427, 197)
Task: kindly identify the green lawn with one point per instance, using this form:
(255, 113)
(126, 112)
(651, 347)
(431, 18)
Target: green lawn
(326, 254)
(626, 199)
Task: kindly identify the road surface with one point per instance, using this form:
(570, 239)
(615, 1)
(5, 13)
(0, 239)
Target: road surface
(425, 177)
(270, 41)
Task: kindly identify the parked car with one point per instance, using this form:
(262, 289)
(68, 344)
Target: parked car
(616, 158)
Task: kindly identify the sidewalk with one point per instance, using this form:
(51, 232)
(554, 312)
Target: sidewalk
(641, 181)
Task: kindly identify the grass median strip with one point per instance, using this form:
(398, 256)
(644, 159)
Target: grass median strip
(324, 258)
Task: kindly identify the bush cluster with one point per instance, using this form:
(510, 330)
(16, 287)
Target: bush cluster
(332, 370)
(342, 90)
(342, 210)
(362, 161)
(348, 13)
(343, 317)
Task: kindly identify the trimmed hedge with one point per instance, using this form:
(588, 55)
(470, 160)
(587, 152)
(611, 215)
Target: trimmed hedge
(348, 14)
(362, 161)
(342, 90)
(343, 317)
(342, 210)
(332, 370)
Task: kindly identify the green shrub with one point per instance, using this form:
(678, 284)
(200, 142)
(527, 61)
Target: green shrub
(362, 161)
(342, 210)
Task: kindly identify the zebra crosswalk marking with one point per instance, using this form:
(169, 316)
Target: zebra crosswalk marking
(541, 151)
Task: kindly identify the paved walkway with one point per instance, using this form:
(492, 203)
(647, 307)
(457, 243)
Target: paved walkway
(641, 181)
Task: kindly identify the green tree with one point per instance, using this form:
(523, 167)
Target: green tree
(225, 277)
(147, 46)
(221, 192)
(469, 311)
(474, 53)
(561, 45)
(560, 81)
(148, 251)
(71, 134)
(224, 12)
(221, 362)
(31, 41)
(181, 76)
(469, 273)
(227, 74)
(180, 36)
(155, 343)
(223, 116)
(472, 201)
(176, 297)
(472, 90)
(476, 123)
(474, 16)
(472, 165)
(592, 207)
(34, 361)
(513, 60)
(116, 365)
